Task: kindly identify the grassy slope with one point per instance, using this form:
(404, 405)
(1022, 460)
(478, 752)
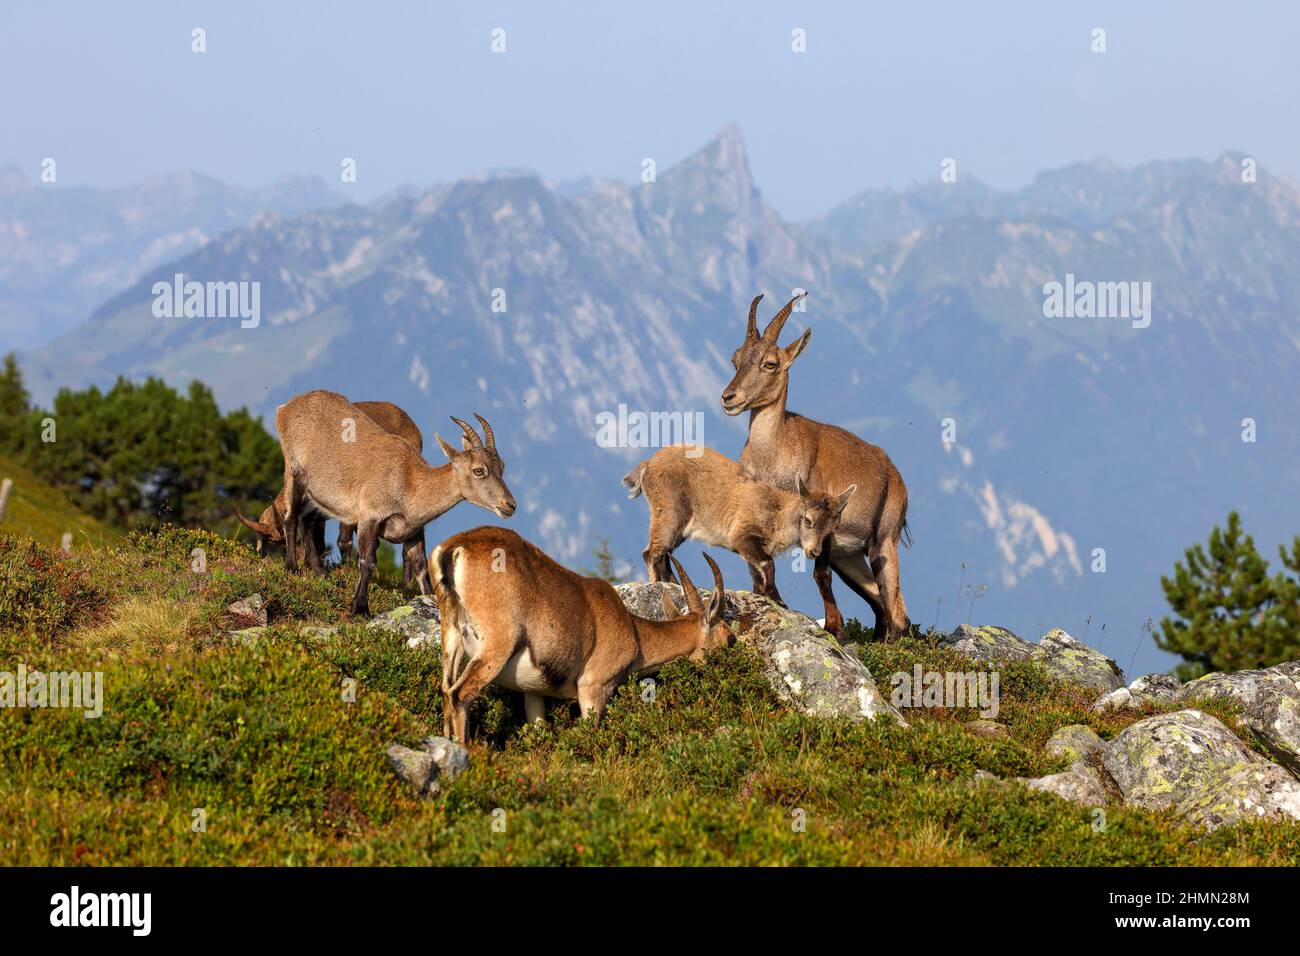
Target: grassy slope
(43, 513)
(285, 770)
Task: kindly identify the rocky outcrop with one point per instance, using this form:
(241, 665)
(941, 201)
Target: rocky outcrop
(1075, 742)
(1062, 655)
(1270, 706)
(1149, 689)
(805, 666)
(1076, 662)
(430, 770)
(1081, 784)
(417, 621)
(1191, 763)
(987, 643)
(250, 612)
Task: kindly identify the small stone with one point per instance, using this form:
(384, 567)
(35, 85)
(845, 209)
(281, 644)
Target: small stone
(1074, 742)
(250, 612)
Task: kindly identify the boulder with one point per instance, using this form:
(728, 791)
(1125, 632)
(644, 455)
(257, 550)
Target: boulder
(1074, 742)
(1080, 784)
(1151, 688)
(430, 769)
(1076, 662)
(987, 643)
(1270, 707)
(805, 666)
(1191, 763)
(987, 728)
(250, 612)
(417, 621)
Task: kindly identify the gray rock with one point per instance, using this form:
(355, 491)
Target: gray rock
(250, 612)
(1290, 669)
(986, 728)
(1076, 662)
(1080, 784)
(1270, 707)
(417, 621)
(805, 666)
(1191, 763)
(1074, 742)
(1150, 688)
(429, 770)
(987, 643)
(247, 635)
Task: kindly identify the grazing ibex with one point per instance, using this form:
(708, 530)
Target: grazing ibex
(705, 496)
(784, 448)
(529, 624)
(270, 527)
(340, 463)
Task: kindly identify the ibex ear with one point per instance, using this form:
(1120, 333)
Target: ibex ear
(845, 495)
(670, 609)
(800, 486)
(446, 449)
(791, 351)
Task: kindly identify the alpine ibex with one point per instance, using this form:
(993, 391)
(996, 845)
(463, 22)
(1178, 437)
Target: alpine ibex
(340, 463)
(270, 527)
(529, 624)
(784, 448)
(704, 496)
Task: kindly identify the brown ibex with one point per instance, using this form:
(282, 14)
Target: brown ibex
(784, 448)
(270, 527)
(342, 464)
(529, 624)
(700, 494)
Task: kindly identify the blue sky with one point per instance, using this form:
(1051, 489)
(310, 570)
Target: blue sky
(415, 94)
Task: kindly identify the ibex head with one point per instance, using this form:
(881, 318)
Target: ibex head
(714, 632)
(478, 468)
(270, 528)
(762, 366)
(819, 516)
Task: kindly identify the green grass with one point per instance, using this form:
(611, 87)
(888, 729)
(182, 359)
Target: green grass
(43, 513)
(259, 742)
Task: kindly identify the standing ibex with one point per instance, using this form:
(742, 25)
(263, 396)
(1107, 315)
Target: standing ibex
(784, 448)
(529, 624)
(270, 527)
(347, 467)
(705, 496)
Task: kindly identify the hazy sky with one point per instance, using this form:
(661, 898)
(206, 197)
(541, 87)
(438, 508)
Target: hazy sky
(414, 92)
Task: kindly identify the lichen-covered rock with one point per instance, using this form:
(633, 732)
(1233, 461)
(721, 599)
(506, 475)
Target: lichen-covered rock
(1080, 784)
(986, 728)
(1076, 662)
(429, 770)
(1290, 669)
(417, 621)
(1074, 742)
(1249, 791)
(250, 612)
(805, 666)
(1150, 688)
(987, 643)
(247, 635)
(1163, 760)
(1270, 707)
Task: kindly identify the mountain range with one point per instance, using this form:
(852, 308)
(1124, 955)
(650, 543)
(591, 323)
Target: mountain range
(1037, 450)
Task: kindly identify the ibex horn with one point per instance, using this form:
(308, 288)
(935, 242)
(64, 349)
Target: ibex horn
(773, 330)
(693, 602)
(487, 432)
(751, 330)
(471, 436)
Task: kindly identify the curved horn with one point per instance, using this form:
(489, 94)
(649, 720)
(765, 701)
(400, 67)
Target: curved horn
(751, 330)
(471, 436)
(258, 526)
(693, 603)
(487, 432)
(719, 592)
(773, 330)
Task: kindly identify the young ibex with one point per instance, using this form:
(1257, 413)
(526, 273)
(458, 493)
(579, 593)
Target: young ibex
(347, 467)
(529, 624)
(705, 496)
(784, 448)
(270, 527)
